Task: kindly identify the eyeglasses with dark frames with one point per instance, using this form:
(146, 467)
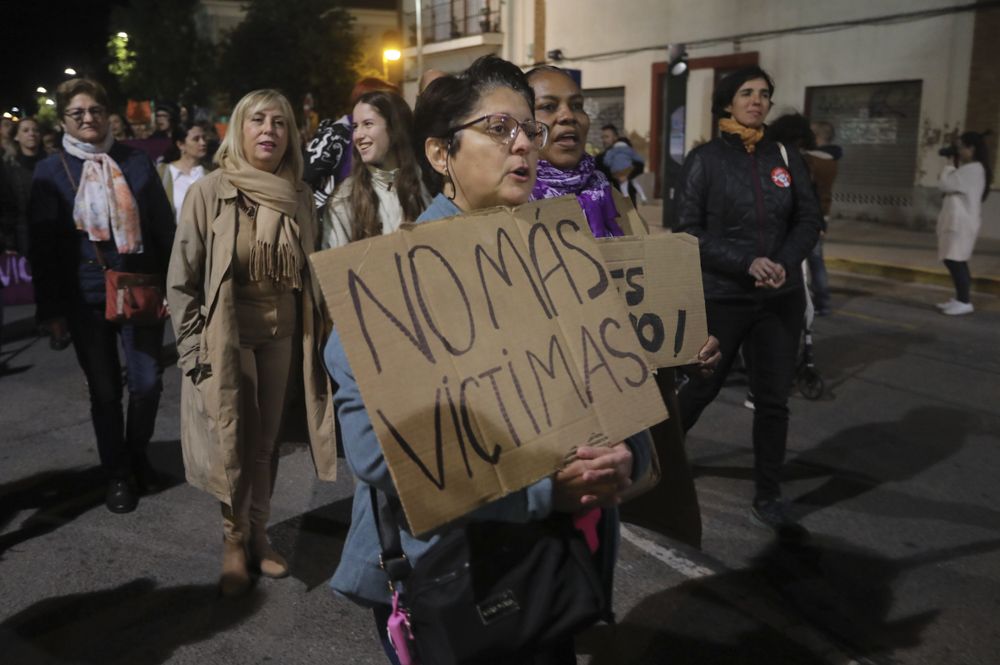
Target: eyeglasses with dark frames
(77, 115)
(503, 129)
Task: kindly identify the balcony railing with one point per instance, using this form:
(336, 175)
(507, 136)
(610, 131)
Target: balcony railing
(451, 19)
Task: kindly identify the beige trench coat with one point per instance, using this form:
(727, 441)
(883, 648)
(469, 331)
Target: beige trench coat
(202, 309)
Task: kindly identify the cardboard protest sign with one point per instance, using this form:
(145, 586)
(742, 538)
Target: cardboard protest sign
(660, 278)
(486, 347)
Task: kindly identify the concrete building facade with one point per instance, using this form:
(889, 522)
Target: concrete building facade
(897, 78)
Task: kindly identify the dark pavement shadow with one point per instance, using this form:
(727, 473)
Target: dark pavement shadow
(842, 357)
(841, 591)
(313, 541)
(58, 497)
(133, 623)
(167, 459)
(863, 458)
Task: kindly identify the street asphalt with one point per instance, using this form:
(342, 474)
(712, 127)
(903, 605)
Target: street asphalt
(892, 469)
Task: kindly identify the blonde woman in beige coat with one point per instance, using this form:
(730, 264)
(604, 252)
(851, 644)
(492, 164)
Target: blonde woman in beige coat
(248, 327)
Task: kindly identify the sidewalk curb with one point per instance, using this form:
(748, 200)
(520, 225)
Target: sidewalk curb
(980, 284)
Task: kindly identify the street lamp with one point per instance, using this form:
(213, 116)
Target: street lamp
(49, 102)
(123, 35)
(40, 90)
(387, 55)
(69, 71)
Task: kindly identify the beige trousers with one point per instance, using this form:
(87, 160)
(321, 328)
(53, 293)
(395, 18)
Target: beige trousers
(265, 370)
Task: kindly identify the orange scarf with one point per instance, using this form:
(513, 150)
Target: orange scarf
(750, 137)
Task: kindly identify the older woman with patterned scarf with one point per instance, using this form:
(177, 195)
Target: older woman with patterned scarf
(100, 203)
(248, 327)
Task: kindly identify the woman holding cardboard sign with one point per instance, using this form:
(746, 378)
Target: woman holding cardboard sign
(481, 145)
(243, 311)
(566, 168)
(750, 202)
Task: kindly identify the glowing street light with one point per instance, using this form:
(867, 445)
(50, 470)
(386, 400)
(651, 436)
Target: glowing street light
(69, 71)
(7, 115)
(123, 35)
(14, 109)
(49, 102)
(389, 54)
(40, 90)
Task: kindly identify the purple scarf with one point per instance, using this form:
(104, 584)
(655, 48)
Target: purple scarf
(592, 190)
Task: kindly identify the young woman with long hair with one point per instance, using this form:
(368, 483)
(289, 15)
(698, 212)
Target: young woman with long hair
(384, 188)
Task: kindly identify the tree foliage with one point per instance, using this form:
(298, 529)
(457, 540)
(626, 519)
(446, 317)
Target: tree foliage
(163, 56)
(296, 46)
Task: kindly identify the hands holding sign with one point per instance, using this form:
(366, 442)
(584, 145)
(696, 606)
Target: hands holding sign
(596, 476)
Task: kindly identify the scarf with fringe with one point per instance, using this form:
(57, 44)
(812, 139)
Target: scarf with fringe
(275, 254)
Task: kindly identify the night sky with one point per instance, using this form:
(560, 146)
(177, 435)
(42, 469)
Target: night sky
(39, 39)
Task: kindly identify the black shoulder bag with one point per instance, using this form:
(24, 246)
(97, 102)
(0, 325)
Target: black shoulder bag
(491, 590)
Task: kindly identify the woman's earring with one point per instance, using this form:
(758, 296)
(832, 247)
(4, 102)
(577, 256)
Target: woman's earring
(444, 188)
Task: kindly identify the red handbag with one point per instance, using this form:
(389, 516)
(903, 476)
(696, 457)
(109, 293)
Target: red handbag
(130, 297)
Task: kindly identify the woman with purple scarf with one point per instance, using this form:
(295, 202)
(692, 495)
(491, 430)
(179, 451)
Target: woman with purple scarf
(566, 168)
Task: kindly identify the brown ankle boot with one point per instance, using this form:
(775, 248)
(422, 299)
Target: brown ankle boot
(235, 578)
(270, 563)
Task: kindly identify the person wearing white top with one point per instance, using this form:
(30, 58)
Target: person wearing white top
(384, 189)
(182, 164)
(965, 186)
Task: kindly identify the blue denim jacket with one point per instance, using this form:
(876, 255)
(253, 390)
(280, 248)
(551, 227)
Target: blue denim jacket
(358, 575)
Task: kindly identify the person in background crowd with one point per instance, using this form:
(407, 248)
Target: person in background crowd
(328, 154)
(621, 163)
(100, 203)
(481, 146)
(566, 168)
(243, 308)
(166, 121)
(7, 129)
(756, 219)
(140, 130)
(120, 129)
(19, 169)
(965, 184)
(51, 140)
(384, 189)
(823, 163)
(183, 164)
(428, 77)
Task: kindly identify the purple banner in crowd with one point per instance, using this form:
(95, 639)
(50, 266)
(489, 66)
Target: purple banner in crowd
(15, 278)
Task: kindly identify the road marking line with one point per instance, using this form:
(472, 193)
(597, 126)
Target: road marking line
(875, 319)
(672, 558)
(791, 626)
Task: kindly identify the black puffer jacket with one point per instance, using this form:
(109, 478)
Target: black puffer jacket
(734, 202)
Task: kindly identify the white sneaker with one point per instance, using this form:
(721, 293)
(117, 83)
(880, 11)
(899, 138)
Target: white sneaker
(958, 308)
(945, 305)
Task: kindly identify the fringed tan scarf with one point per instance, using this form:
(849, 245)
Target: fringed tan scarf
(276, 254)
(750, 136)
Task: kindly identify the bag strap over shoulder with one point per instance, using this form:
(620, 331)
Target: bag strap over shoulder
(97, 249)
(391, 559)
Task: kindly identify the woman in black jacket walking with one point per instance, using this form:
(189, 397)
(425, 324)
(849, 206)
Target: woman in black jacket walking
(749, 202)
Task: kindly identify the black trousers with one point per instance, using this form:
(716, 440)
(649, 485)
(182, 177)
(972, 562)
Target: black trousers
(770, 327)
(962, 277)
(122, 437)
